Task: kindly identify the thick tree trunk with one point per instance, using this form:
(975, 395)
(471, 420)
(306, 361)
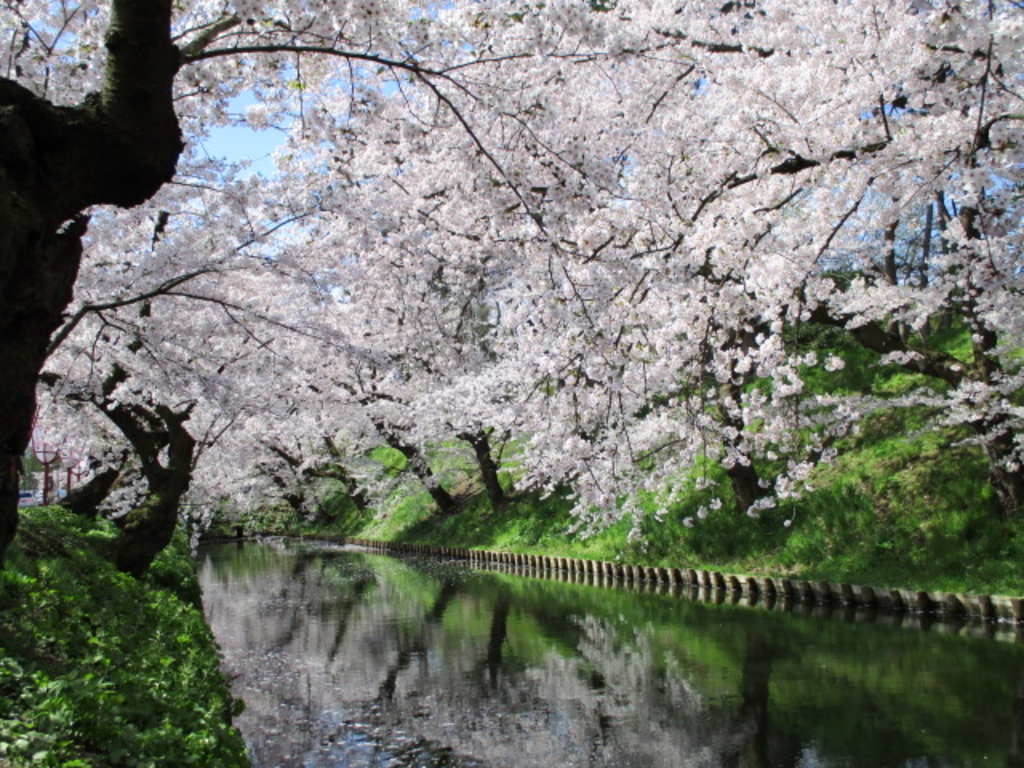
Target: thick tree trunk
(341, 474)
(117, 147)
(289, 493)
(746, 487)
(446, 503)
(34, 290)
(291, 487)
(351, 486)
(891, 271)
(1008, 483)
(165, 450)
(488, 467)
(148, 528)
(743, 477)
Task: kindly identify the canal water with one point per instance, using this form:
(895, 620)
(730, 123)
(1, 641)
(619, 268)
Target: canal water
(348, 658)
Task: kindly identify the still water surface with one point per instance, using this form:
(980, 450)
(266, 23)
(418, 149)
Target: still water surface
(347, 658)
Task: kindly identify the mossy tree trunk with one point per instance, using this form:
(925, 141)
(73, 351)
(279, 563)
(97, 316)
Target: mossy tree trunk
(118, 147)
(149, 527)
(166, 451)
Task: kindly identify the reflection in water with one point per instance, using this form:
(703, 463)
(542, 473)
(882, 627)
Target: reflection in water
(346, 658)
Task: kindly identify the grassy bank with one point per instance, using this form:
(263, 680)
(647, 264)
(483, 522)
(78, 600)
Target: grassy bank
(902, 508)
(99, 669)
(907, 504)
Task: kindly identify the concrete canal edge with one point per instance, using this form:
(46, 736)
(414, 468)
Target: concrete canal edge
(764, 591)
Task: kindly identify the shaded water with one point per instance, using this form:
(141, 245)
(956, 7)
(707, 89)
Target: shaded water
(346, 658)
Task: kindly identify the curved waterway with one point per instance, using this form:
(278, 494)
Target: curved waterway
(347, 658)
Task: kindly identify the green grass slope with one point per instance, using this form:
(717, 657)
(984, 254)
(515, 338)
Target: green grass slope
(906, 504)
(99, 669)
(902, 507)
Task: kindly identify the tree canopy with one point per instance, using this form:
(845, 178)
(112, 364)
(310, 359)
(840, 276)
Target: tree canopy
(599, 233)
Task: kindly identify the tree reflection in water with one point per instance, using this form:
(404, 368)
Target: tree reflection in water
(348, 658)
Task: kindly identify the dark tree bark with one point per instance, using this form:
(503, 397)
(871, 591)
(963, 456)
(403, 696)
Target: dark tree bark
(743, 477)
(746, 485)
(118, 147)
(890, 269)
(148, 528)
(446, 503)
(341, 474)
(165, 450)
(291, 487)
(417, 464)
(355, 493)
(294, 480)
(85, 500)
(480, 440)
(1000, 448)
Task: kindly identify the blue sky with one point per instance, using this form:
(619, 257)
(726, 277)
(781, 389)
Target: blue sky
(239, 142)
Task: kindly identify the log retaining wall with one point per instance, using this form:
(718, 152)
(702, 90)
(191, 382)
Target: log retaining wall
(713, 586)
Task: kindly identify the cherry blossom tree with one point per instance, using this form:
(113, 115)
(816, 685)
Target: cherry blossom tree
(681, 217)
(98, 97)
(595, 228)
(121, 373)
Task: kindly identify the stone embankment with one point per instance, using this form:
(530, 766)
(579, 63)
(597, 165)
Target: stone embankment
(712, 586)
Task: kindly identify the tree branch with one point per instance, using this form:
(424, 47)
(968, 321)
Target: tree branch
(929, 362)
(163, 289)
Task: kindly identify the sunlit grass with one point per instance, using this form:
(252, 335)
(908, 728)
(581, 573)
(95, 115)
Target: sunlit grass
(907, 504)
(901, 508)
